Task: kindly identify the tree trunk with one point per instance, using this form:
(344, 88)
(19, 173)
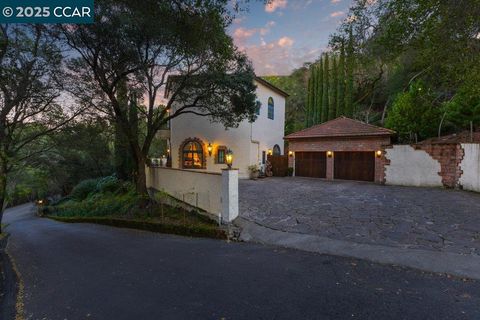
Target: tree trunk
(140, 176)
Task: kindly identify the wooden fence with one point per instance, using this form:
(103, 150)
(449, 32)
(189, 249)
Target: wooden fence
(279, 165)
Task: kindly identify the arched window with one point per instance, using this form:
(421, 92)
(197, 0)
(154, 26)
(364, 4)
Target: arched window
(270, 108)
(276, 150)
(192, 154)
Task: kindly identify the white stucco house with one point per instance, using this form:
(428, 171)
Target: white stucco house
(191, 136)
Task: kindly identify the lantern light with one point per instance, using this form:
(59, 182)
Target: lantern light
(378, 153)
(330, 154)
(290, 153)
(229, 158)
(209, 149)
(269, 152)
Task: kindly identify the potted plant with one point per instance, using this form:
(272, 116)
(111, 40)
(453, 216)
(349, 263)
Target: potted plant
(254, 171)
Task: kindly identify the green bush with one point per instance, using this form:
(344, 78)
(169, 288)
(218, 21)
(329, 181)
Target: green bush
(83, 189)
(112, 184)
(99, 205)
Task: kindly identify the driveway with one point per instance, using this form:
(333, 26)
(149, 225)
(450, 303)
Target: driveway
(431, 219)
(85, 271)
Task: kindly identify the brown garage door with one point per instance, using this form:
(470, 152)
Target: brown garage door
(354, 166)
(311, 164)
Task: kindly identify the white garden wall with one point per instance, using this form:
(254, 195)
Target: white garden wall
(410, 167)
(201, 189)
(470, 166)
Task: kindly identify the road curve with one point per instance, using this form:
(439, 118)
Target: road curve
(85, 271)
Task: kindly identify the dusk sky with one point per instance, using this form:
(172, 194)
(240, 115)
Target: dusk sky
(284, 34)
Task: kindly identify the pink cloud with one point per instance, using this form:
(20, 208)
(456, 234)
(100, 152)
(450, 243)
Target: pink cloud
(285, 42)
(243, 33)
(335, 1)
(337, 14)
(271, 58)
(273, 5)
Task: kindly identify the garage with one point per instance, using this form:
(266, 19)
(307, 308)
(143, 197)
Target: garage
(311, 164)
(342, 148)
(354, 165)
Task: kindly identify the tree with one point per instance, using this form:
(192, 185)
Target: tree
(188, 57)
(325, 93)
(349, 85)
(332, 109)
(123, 156)
(30, 83)
(309, 105)
(463, 110)
(319, 94)
(413, 114)
(314, 101)
(341, 83)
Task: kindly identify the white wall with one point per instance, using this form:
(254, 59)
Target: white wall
(410, 167)
(245, 152)
(470, 166)
(267, 131)
(216, 193)
(189, 186)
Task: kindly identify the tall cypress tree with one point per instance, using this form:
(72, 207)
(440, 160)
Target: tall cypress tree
(314, 93)
(325, 90)
(341, 83)
(319, 92)
(332, 109)
(308, 107)
(349, 85)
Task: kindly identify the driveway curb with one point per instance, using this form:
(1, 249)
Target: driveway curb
(440, 262)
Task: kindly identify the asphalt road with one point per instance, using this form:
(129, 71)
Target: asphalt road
(85, 271)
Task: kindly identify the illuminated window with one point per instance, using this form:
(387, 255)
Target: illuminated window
(192, 155)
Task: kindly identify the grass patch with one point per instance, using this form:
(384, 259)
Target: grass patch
(112, 202)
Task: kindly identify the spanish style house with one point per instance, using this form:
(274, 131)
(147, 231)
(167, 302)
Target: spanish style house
(197, 143)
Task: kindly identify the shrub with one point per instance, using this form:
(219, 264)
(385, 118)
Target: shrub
(83, 189)
(109, 184)
(100, 205)
(290, 171)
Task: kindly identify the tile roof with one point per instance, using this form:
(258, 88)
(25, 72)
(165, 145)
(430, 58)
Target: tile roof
(341, 127)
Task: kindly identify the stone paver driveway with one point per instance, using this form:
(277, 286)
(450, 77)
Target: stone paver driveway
(408, 217)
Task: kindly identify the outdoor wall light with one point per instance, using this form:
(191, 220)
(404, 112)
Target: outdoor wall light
(378, 153)
(330, 154)
(229, 158)
(269, 152)
(209, 149)
(168, 150)
(290, 153)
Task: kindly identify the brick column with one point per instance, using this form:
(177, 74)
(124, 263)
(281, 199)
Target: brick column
(380, 168)
(330, 164)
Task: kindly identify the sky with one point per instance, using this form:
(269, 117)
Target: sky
(282, 35)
